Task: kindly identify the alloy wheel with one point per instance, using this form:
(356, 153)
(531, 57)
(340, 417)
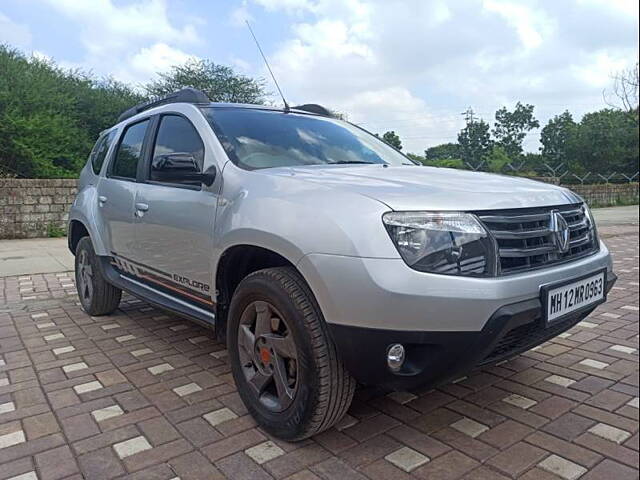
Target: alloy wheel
(84, 278)
(268, 355)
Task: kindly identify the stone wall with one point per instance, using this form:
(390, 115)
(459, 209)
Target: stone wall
(35, 207)
(602, 195)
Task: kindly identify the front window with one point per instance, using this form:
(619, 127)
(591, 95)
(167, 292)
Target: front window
(256, 139)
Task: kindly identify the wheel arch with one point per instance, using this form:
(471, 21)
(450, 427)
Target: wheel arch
(235, 263)
(76, 231)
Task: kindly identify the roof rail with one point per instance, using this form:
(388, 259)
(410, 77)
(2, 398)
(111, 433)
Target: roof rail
(186, 95)
(314, 108)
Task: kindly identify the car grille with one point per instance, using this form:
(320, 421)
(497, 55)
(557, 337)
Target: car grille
(526, 241)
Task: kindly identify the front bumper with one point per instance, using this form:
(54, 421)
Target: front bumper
(385, 293)
(436, 357)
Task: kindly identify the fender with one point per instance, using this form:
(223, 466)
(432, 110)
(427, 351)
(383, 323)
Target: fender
(83, 210)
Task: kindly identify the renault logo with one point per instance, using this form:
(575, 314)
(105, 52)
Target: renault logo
(559, 231)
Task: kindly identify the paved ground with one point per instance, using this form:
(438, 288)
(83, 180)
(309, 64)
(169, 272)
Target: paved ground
(616, 216)
(36, 255)
(145, 395)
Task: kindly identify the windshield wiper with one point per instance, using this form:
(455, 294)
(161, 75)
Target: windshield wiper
(345, 162)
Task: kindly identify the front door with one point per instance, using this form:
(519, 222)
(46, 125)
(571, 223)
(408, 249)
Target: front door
(174, 221)
(117, 191)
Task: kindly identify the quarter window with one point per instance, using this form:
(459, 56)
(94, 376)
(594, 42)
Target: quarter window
(129, 151)
(176, 134)
(99, 152)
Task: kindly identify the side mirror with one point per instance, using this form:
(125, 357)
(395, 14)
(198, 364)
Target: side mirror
(180, 167)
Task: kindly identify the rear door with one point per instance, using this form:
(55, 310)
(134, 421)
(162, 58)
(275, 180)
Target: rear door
(174, 221)
(117, 190)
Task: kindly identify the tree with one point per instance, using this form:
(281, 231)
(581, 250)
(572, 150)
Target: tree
(625, 88)
(511, 128)
(555, 138)
(605, 142)
(219, 82)
(50, 117)
(496, 160)
(475, 142)
(443, 151)
(416, 158)
(392, 139)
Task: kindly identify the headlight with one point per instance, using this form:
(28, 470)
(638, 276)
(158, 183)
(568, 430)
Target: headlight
(593, 230)
(450, 243)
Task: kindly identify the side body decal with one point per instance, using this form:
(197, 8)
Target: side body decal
(171, 283)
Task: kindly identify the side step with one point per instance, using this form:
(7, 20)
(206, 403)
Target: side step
(155, 297)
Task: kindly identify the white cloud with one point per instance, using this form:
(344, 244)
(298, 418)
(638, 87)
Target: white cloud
(131, 41)
(159, 57)
(241, 15)
(532, 25)
(14, 34)
(289, 5)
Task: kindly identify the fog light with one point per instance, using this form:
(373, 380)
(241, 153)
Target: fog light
(395, 356)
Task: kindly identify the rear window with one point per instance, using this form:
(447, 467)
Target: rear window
(99, 152)
(256, 139)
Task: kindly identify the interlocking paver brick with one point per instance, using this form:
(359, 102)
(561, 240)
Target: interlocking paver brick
(131, 446)
(40, 425)
(13, 438)
(562, 467)
(88, 387)
(608, 432)
(469, 427)
(219, 416)
(407, 459)
(517, 458)
(264, 452)
(56, 463)
(90, 383)
(449, 466)
(240, 466)
(106, 413)
(608, 469)
(102, 464)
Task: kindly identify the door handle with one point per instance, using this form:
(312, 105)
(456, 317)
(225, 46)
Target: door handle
(143, 207)
(102, 199)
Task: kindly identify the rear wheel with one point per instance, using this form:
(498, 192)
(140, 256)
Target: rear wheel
(97, 296)
(284, 363)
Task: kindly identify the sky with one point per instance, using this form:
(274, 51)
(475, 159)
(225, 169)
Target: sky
(413, 66)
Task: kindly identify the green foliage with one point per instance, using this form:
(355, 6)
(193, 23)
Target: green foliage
(511, 128)
(416, 158)
(50, 117)
(475, 142)
(445, 150)
(497, 160)
(220, 83)
(449, 163)
(604, 142)
(556, 136)
(55, 231)
(392, 139)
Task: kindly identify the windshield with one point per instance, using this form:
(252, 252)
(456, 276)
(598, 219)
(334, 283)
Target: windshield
(256, 139)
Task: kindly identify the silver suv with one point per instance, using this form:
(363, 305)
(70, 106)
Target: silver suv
(323, 256)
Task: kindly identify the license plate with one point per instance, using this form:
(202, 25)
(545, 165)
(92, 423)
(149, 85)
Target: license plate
(568, 297)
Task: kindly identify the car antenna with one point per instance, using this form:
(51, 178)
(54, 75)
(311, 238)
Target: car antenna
(286, 105)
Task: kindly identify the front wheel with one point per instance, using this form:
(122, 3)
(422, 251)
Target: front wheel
(284, 363)
(97, 296)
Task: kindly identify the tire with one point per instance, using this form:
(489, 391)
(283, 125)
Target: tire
(97, 296)
(319, 389)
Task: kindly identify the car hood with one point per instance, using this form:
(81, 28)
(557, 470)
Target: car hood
(431, 188)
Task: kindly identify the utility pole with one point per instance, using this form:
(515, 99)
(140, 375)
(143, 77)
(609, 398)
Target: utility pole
(468, 115)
